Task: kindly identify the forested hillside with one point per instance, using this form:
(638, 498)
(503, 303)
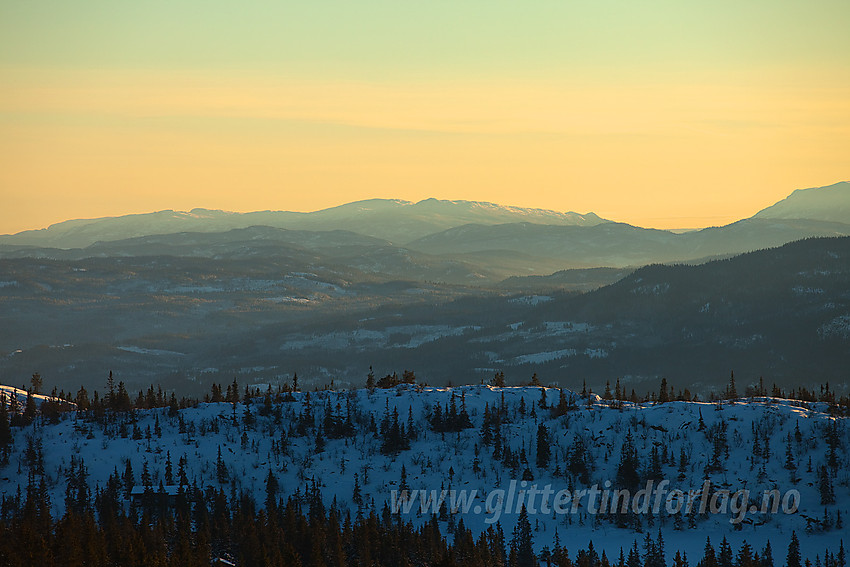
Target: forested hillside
(277, 477)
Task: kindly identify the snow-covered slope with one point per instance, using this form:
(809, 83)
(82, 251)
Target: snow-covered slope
(830, 203)
(20, 395)
(769, 444)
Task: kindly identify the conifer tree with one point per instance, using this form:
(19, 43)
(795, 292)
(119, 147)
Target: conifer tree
(272, 488)
(543, 403)
(498, 380)
(522, 541)
(767, 555)
(544, 451)
(709, 557)
(5, 429)
(220, 468)
(789, 455)
(607, 395)
(827, 494)
(724, 555)
(147, 481)
(109, 398)
(746, 558)
(182, 478)
(169, 473)
(793, 557)
(128, 479)
(30, 409)
(627, 470)
(833, 441)
(663, 396)
(731, 390)
(562, 407)
(634, 556)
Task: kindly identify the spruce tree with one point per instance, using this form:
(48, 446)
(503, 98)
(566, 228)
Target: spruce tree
(627, 470)
(544, 451)
(634, 556)
(128, 479)
(147, 481)
(731, 390)
(789, 455)
(169, 473)
(827, 494)
(5, 429)
(724, 555)
(486, 431)
(30, 409)
(523, 542)
(766, 557)
(709, 557)
(662, 392)
(221, 468)
(36, 382)
(745, 556)
(271, 492)
(498, 380)
(793, 557)
(653, 551)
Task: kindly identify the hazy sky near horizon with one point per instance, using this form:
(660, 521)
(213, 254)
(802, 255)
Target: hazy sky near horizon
(658, 113)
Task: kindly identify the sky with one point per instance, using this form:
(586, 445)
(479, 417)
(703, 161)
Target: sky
(667, 114)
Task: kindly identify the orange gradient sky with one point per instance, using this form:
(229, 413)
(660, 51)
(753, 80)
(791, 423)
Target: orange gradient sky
(659, 115)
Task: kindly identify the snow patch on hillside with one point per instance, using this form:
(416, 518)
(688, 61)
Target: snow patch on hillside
(151, 351)
(540, 357)
(531, 299)
(287, 299)
(800, 290)
(838, 327)
(567, 327)
(657, 289)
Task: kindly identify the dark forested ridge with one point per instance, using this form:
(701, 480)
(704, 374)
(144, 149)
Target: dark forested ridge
(199, 528)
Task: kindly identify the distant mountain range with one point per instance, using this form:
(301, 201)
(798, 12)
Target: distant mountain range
(393, 220)
(830, 203)
(458, 242)
(618, 245)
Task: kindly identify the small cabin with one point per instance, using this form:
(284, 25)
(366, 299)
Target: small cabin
(171, 492)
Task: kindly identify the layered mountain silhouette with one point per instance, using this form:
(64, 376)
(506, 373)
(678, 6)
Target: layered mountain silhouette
(388, 219)
(464, 241)
(455, 290)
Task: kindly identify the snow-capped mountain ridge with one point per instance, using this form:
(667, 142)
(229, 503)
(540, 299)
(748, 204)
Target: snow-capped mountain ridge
(393, 219)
